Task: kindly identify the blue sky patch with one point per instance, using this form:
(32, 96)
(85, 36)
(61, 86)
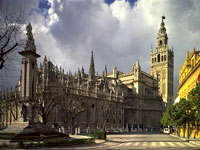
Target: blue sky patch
(109, 1)
(131, 2)
(44, 4)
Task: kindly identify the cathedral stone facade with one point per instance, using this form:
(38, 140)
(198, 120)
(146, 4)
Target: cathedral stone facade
(127, 101)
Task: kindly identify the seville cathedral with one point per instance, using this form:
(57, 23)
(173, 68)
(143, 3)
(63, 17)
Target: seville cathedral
(132, 101)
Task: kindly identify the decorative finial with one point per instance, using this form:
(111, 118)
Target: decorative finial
(45, 58)
(163, 16)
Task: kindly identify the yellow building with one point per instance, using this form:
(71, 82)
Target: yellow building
(189, 73)
(188, 76)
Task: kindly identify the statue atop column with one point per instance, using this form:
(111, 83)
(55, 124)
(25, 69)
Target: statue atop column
(30, 42)
(29, 77)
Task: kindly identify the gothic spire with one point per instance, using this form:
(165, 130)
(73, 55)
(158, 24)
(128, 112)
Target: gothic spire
(45, 58)
(105, 71)
(115, 72)
(91, 76)
(79, 72)
(82, 70)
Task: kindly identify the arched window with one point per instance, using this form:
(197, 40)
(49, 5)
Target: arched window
(165, 58)
(155, 59)
(152, 60)
(158, 57)
(160, 43)
(92, 106)
(162, 58)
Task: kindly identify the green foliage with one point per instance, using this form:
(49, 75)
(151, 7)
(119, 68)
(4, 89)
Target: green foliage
(184, 112)
(168, 116)
(2, 106)
(178, 114)
(98, 135)
(194, 97)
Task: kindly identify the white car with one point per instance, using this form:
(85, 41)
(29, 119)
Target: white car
(166, 131)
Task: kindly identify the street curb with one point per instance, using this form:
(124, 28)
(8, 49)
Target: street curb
(188, 140)
(184, 139)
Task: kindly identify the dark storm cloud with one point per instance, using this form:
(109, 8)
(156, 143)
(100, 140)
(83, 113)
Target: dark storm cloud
(18, 10)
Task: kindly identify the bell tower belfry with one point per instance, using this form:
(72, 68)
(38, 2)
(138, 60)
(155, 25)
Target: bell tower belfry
(162, 64)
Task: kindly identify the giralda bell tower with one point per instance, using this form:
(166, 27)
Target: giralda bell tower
(162, 64)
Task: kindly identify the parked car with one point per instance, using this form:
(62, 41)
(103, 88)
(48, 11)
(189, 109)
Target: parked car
(113, 131)
(166, 130)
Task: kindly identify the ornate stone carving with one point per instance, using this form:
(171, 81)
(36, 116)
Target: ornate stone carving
(30, 42)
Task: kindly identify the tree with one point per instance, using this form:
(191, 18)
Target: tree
(46, 104)
(169, 116)
(186, 115)
(74, 107)
(194, 96)
(10, 28)
(179, 114)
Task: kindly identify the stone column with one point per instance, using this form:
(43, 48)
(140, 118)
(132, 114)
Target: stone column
(23, 87)
(131, 127)
(3, 120)
(6, 118)
(28, 80)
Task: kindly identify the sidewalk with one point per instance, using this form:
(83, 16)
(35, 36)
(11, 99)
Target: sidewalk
(97, 141)
(79, 136)
(190, 140)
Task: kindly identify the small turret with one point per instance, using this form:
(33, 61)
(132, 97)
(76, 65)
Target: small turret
(105, 71)
(188, 55)
(91, 76)
(60, 69)
(137, 65)
(115, 72)
(82, 72)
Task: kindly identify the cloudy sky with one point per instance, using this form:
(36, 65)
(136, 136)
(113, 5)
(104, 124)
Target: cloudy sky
(118, 31)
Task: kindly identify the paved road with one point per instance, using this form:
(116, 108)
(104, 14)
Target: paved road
(136, 142)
